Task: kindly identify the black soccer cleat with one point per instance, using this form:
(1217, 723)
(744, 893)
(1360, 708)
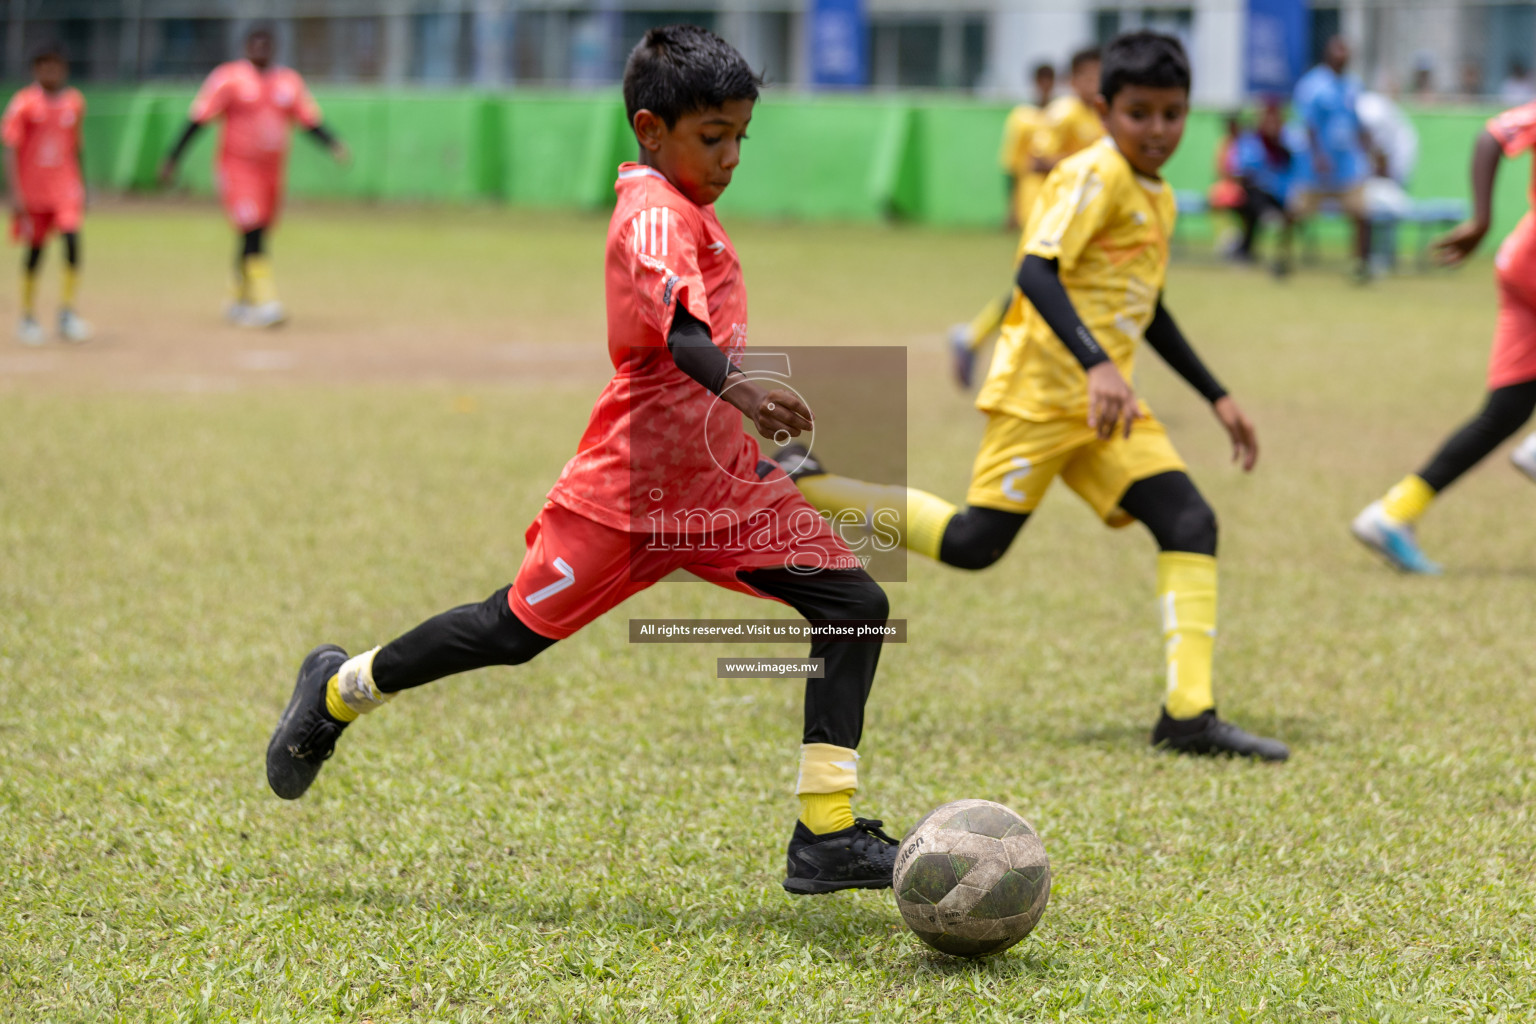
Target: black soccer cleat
(1208, 735)
(861, 857)
(796, 460)
(305, 736)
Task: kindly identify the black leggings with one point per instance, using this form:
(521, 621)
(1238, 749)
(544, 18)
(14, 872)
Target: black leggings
(251, 244)
(475, 636)
(1505, 412)
(1167, 504)
(34, 257)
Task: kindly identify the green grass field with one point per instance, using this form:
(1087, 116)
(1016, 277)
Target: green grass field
(185, 509)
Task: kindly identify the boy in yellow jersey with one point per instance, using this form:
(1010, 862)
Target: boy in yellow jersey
(1065, 126)
(1058, 396)
(1017, 155)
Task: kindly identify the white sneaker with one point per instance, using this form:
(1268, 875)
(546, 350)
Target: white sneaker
(1524, 456)
(1392, 540)
(236, 312)
(30, 332)
(73, 328)
(268, 314)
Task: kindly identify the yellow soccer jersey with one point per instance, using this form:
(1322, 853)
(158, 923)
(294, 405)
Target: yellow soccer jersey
(1107, 227)
(1071, 126)
(1018, 149)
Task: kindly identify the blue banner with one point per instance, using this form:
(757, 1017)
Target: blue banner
(838, 37)
(1276, 46)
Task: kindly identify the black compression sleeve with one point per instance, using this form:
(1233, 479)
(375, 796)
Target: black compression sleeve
(323, 135)
(193, 127)
(1168, 341)
(1040, 281)
(695, 352)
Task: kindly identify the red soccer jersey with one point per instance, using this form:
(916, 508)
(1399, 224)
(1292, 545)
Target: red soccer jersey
(257, 107)
(1516, 131)
(658, 445)
(44, 131)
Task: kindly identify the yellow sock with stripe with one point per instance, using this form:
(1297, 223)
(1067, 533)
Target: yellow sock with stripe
(1408, 499)
(28, 292)
(352, 692)
(1186, 592)
(917, 516)
(71, 281)
(829, 775)
(988, 322)
(260, 287)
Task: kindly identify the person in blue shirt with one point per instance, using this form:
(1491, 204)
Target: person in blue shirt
(1338, 154)
(1266, 168)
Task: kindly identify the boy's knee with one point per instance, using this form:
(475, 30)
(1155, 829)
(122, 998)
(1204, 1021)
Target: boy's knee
(867, 600)
(1195, 529)
(511, 641)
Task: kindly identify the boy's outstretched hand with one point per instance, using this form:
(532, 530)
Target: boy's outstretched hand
(1110, 401)
(1245, 440)
(1458, 243)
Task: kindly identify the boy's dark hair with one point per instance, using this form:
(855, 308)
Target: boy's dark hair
(678, 70)
(1081, 57)
(1143, 58)
(50, 50)
(1042, 69)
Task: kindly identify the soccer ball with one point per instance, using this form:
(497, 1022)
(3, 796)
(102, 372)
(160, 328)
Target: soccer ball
(972, 878)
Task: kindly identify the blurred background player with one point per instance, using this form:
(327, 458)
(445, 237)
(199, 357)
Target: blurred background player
(257, 100)
(1387, 525)
(1017, 155)
(41, 130)
(1265, 167)
(1067, 125)
(1337, 161)
(652, 453)
(1058, 398)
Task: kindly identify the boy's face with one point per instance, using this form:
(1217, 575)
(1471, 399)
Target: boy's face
(1085, 81)
(51, 73)
(1146, 123)
(700, 152)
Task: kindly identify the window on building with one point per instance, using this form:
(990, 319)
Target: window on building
(190, 47)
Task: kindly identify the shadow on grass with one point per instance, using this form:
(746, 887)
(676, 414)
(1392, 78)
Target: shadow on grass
(1290, 729)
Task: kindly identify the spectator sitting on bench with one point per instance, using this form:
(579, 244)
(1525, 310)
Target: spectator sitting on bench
(1266, 170)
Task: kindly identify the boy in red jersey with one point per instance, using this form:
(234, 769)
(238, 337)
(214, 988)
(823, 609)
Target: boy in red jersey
(1387, 525)
(257, 101)
(41, 130)
(663, 453)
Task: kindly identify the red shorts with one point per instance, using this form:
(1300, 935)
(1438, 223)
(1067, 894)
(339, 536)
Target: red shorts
(34, 226)
(251, 192)
(576, 569)
(1513, 359)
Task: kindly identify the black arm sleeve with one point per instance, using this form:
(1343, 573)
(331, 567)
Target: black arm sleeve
(193, 127)
(695, 352)
(323, 135)
(1169, 342)
(1040, 281)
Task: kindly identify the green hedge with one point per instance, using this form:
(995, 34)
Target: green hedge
(927, 160)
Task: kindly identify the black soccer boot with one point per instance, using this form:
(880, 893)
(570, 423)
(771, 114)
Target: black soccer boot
(305, 736)
(861, 857)
(796, 460)
(1208, 735)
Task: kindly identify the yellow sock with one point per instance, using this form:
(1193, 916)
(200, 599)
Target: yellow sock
(1186, 592)
(988, 322)
(829, 775)
(259, 285)
(71, 279)
(334, 705)
(352, 691)
(827, 812)
(919, 517)
(1408, 499)
(28, 292)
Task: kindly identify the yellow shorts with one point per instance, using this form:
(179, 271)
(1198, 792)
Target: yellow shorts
(1019, 458)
